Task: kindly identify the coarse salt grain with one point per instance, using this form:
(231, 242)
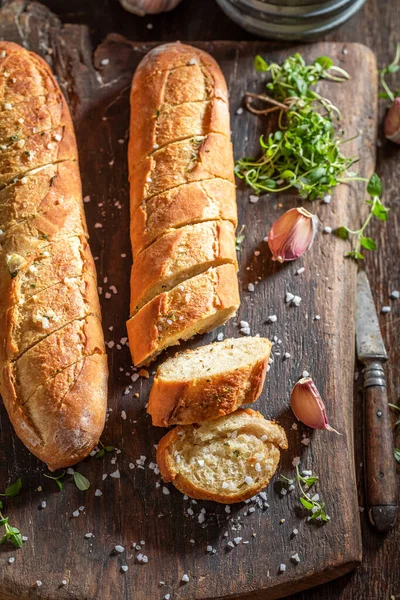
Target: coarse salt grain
(124, 568)
(385, 310)
(251, 287)
(300, 271)
(239, 110)
(123, 415)
(76, 513)
(185, 578)
(395, 295)
(119, 549)
(295, 558)
(272, 318)
(105, 61)
(253, 199)
(282, 568)
(166, 491)
(305, 374)
(98, 492)
(327, 229)
(248, 480)
(116, 474)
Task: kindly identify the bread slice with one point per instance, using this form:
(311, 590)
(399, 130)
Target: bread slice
(212, 199)
(195, 306)
(227, 460)
(208, 382)
(178, 255)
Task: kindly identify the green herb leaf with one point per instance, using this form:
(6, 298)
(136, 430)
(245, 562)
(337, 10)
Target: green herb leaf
(13, 489)
(341, 232)
(81, 482)
(379, 211)
(15, 537)
(4, 521)
(325, 62)
(310, 481)
(374, 187)
(260, 64)
(397, 454)
(306, 503)
(101, 453)
(109, 448)
(57, 479)
(368, 243)
(355, 254)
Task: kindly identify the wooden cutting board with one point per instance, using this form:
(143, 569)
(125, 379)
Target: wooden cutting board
(133, 508)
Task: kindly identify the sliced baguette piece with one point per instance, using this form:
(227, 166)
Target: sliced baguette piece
(208, 382)
(212, 199)
(178, 255)
(194, 159)
(195, 306)
(227, 460)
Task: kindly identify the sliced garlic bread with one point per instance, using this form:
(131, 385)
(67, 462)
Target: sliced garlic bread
(208, 382)
(227, 460)
(197, 305)
(178, 255)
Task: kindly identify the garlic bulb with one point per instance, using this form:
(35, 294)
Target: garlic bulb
(148, 7)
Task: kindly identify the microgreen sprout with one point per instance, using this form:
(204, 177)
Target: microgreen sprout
(240, 237)
(101, 452)
(81, 482)
(12, 534)
(377, 209)
(305, 152)
(389, 70)
(316, 508)
(57, 479)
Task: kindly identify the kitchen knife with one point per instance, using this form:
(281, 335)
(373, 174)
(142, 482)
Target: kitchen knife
(380, 468)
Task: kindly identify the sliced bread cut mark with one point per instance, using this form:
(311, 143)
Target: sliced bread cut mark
(199, 158)
(197, 305)
(178, 255)
(164, 124)
(61, 419)
(227, 460)
(52, 354)
(207, 200)
(208, 382)
(25, 325)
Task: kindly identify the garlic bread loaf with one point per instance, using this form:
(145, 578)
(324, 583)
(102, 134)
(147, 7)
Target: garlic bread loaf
(227, 460)
(53, 365)
(182, 197)
(208, 382)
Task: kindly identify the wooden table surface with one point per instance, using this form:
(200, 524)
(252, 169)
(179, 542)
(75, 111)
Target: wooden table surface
(377, 26)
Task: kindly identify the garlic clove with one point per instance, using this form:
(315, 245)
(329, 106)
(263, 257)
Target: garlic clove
(292, 234)
(307, 405)
(392, 122)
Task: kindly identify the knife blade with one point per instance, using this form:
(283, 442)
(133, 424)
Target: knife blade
(380, 468)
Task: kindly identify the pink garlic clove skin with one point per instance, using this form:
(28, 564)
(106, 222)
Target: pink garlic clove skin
(307, 405)
(392, 122)
(292, 234)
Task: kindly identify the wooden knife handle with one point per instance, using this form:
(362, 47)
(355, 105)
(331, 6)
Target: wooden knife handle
(380, 468)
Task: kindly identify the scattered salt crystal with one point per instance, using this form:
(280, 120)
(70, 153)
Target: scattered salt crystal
(385, 310)
(220, 336)
(43, 504)
(395, 295)
(300, 271)
(327, 229)
(295, 558)
(124, 568)
(248, 480)
(166, 491)
(185, 578)
(282, 568)
(305, 374)
(11, 560)
(257, 467)
(227, 509)
(98, 493)
(244, 324)
(38, 583)
(295, 531)
(251, 287)
(230, 544)
(305, 441)
(272, 318)
(286, 355)
(123, 415)
(317, 317)
(296, 301)
(237, 540)
(98, 225)
(239, 110)
(294, 426)
(88, 535)
(119, 549)
(254, 199)
(76, 513)
(116, 474)
(105, 61)
(327, 199)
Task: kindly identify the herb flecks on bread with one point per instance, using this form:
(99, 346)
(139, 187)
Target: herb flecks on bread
(227, 460)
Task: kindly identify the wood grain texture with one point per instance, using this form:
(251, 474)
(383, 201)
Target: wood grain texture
(330, 362)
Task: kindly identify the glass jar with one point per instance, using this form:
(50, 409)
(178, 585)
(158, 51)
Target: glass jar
(290, 19)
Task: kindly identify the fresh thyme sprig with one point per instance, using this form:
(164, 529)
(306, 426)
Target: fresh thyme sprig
(377, 209)
(310, 503)
(394, 66)
(12, 534)
(305, 152)
(81, 482)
